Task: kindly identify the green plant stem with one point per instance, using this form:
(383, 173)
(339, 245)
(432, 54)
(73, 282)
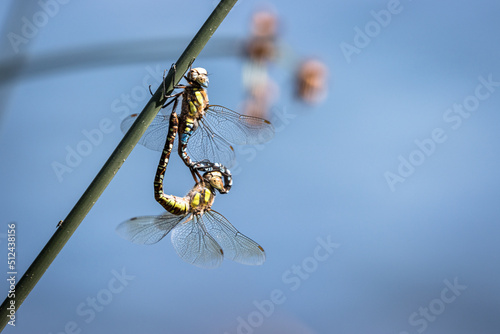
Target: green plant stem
(112, 165)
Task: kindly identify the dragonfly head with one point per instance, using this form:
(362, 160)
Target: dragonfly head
(198, 76)
(215, 180)
(218, 181)
(216, 174)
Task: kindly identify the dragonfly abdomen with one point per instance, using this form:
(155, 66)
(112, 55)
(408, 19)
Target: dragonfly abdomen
(188, 125)
(174, 204)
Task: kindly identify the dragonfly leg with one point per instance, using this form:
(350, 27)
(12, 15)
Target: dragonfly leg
(174, 100)
(172, 68)
(163, 81)
(195, 172)
(163, 84)
(196, 175)
(164, 88)
(190, 66)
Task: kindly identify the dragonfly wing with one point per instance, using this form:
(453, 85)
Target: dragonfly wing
(155, 135)
(238, 129)
(194, 245)
(148, 230)
(236, 246)
(205, 144)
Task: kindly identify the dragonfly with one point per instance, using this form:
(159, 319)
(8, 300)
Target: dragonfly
(211, 130)
(200, 236)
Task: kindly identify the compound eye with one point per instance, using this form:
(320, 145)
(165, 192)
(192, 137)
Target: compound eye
(217, 183)
(200, 71)
(198, 75)
(192, 75)
(203, 81)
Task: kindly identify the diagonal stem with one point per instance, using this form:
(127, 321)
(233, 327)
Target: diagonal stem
(112, 165)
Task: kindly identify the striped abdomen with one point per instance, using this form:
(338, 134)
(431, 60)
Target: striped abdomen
(173, 204)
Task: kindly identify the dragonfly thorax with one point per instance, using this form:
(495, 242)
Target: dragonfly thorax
(194, 102)
(200, 198)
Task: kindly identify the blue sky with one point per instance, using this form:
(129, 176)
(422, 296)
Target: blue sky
(416, 104)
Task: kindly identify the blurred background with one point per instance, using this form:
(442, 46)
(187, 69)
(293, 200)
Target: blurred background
(377, 201)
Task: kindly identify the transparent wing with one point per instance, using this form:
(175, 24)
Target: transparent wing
(148, 230)
(155, 135)
(205, 144)
(236, 246)
(237, 129)
(194, 245)
(218, 130)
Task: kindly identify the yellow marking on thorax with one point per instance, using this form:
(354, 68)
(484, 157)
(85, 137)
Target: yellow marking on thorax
(193, 110)
(201, 199)
(208, 195)
(197, 100)
(195, 201)
(200, 98)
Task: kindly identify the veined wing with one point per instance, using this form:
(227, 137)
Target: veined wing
(237, 129)
(194, 245)
(236, 246)
(205, 144)
(155, 135)
(148, 230)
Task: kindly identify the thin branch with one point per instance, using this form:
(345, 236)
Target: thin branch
(112, 165)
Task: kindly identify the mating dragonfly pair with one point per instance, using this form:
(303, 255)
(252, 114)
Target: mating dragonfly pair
(200, 235)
